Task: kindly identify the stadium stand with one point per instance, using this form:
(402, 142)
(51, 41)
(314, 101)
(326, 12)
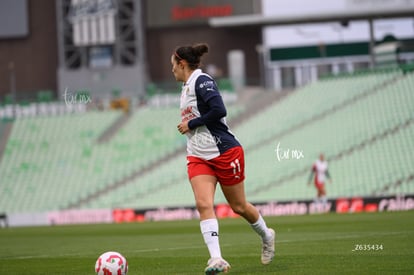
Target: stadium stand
(350, 131)
(45, 160)
(345, 119)
(55, 162)
(166, 186)
(363, 122)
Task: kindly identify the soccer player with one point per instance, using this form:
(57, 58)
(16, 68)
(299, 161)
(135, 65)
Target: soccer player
(213, 156)
(320, 173)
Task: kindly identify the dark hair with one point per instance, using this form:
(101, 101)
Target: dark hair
(191, 54)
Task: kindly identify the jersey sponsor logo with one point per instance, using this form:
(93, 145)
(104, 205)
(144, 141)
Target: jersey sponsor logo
(209, 85)
(187, 114)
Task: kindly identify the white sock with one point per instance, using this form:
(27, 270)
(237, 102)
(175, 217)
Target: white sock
(261, 228)
(210, 229)
(324, 202)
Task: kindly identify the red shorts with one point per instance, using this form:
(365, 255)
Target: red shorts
(228, 168)
(319, 185)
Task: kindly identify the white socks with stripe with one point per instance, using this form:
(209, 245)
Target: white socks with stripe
(261, 228)
(210, 229)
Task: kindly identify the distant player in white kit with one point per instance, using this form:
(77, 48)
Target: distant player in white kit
(320, 174)
(214, 156)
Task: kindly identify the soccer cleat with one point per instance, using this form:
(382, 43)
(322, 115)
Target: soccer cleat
(268, 249)
(217, 265)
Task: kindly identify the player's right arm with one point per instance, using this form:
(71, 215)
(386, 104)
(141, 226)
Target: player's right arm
(311, 175)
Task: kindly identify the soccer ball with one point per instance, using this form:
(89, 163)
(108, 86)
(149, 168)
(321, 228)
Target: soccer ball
(111, 263)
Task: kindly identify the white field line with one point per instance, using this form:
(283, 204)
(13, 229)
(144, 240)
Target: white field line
(351, 236)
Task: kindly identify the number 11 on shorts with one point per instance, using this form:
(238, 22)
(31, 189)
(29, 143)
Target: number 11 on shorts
(236, 166)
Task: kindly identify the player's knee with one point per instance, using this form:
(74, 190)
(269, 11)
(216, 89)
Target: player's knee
(239, 209)
(203, 206)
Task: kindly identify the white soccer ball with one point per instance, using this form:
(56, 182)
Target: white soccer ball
(111, 263)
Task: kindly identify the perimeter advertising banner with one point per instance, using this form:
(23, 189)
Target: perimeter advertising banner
(90, 216)
(339, 205)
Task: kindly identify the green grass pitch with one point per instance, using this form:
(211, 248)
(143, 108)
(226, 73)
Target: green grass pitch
(311, 244)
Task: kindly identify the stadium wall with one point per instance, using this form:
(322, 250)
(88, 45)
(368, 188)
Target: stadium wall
(163, 41)
(87, 216)
(175, 23)
(32, 58)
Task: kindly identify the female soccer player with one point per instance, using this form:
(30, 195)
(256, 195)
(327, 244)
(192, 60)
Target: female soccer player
(320, 173)
(213, 156)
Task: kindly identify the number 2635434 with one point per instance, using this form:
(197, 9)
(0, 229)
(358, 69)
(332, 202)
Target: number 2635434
(368, 247)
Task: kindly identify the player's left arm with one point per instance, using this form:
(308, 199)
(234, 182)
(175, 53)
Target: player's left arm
(207, 91)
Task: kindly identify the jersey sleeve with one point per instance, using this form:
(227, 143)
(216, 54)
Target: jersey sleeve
(207, 91)
(312, 172)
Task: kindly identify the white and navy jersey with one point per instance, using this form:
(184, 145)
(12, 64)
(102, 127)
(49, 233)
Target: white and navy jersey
(201, 104)
(320, 168)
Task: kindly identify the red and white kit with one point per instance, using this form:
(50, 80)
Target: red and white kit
(212, 148)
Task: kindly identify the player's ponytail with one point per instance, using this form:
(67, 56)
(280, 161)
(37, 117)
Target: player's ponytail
(200, 49)
(191, 54)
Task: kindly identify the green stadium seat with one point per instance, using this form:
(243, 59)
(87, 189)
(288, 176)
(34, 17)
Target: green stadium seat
(51, 163)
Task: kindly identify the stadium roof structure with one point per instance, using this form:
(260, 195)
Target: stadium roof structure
(343, 16)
